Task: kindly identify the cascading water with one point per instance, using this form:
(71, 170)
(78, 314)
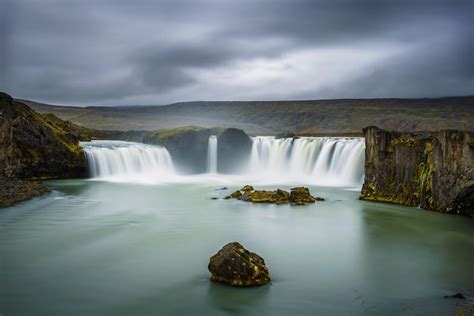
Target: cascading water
(127, 161)
(212, 154)
(307, 160)
(314, 160)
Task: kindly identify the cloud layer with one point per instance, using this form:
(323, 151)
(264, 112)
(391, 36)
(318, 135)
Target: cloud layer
(117, 52)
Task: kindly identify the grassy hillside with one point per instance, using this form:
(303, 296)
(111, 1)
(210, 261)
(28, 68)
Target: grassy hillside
(271, 117)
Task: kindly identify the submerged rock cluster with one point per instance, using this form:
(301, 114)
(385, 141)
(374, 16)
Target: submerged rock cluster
(297, 196)
(236, 266)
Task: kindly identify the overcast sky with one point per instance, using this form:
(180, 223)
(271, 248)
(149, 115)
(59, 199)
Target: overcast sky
(155, 52)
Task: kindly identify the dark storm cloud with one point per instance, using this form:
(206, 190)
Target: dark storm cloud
(125, 52)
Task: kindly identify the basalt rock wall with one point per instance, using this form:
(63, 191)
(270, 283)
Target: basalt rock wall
(433, 170)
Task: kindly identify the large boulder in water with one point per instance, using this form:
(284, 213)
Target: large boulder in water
(301, 195)
(236, 266)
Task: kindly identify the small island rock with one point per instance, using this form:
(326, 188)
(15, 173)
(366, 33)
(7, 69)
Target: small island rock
(297, 196)
(236, 266)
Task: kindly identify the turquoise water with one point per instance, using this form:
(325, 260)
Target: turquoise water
(99, 248)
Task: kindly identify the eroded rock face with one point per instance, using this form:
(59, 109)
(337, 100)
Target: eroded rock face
(187, 145)
(434, 170)
(236, 266)
(297, 196)
(233, 148)
(37, 146)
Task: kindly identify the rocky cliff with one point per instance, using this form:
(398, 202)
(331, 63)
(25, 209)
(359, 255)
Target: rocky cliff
(36, 146)
(233, 150)
(188, 147)
(433, 170)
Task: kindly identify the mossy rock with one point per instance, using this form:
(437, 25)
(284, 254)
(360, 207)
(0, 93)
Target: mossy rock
(247, 188)
(301, 195)
(298, 196)
(13, 191)
(36, 146)
(236, 266)
(234, 195)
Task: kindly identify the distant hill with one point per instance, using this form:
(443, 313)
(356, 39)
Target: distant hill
(344, 116)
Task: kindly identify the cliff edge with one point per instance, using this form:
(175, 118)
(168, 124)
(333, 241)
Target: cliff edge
(433, 170)
(35, 146)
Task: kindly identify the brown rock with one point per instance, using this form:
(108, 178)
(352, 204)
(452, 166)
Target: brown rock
(300, 195)
(35, 146)
(16, 190)
(236, 266)
(433, 170)
(247, 188)
(234, 195)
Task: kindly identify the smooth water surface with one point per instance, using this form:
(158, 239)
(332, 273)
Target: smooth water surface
(99, 248)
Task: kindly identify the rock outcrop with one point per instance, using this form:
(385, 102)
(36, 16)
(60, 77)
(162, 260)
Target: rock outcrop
(236, 266)
(233, 150)
(35, 146)
(433, 170)
(297, 196)
(188, 147)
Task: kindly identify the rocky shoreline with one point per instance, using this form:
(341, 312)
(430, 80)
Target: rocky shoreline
(13, 191)
(33, 147)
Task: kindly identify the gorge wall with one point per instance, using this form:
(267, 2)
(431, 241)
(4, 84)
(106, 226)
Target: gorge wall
(36, 146)
(189, 147)
(433, 170)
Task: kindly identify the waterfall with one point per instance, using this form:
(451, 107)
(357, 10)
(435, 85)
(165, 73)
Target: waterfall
(212, 154)
(315, 160)
(306, 160)
(127, 161)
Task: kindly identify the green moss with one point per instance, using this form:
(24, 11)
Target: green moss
(406, 140)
